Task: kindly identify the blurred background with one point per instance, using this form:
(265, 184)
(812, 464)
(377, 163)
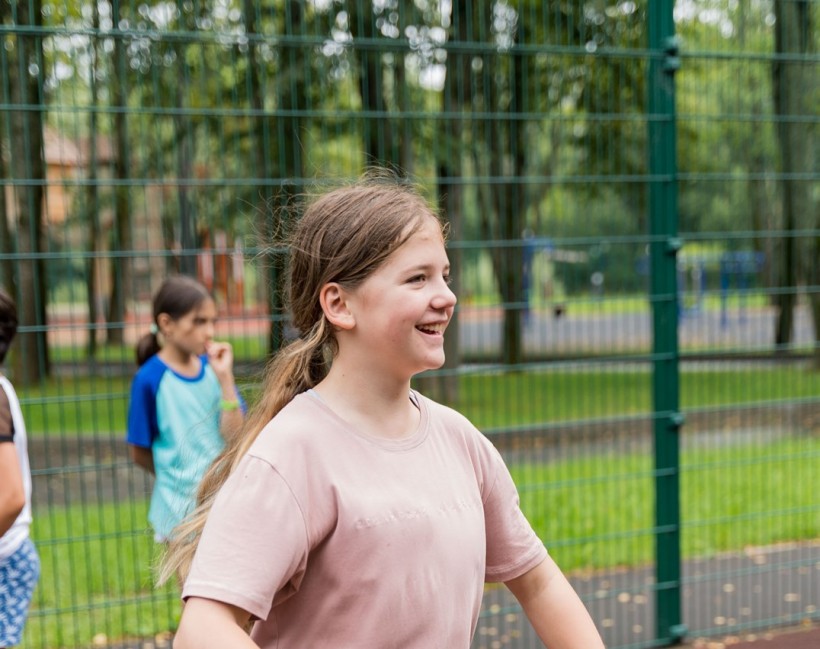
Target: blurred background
(632, 193)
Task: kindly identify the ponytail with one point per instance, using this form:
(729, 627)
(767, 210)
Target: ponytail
(295, 368)
(147, 346)
(342, 236)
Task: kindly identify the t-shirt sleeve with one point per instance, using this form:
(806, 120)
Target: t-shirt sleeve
(142, 412)
(513, 548)
(253, 550)
(6, 421)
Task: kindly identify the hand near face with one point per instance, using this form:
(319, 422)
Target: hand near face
(220, 356)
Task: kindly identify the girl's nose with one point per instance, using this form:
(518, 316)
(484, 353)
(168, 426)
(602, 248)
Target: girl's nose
(445, 298)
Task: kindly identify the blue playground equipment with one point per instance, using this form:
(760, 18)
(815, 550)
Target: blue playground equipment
(736, 269)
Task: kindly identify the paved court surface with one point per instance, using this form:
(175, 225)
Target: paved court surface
(807, 637)
(775, 586)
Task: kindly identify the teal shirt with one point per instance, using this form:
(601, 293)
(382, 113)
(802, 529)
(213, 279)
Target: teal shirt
(177, 417)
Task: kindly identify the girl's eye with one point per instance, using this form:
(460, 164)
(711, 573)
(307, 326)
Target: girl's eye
(417, 278)
(448, 279)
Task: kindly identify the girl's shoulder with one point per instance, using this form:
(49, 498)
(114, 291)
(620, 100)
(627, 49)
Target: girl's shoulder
(448, 417)
(147, 379)
(6, 387)
(152, 366)
(297, 424)
(6, 419)
(450, 423)
(155, 369)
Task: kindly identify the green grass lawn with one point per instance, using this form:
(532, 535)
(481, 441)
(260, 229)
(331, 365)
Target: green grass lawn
(597, 512)
(96, 577)
(493, 400)
(246, 348)
(490, 400)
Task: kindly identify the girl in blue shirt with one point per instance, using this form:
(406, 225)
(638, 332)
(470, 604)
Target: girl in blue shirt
(184, 400)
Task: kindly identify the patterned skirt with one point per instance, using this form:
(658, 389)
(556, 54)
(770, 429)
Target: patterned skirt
(18, 577)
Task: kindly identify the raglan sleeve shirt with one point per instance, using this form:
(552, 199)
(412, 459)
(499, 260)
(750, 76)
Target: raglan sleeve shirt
(142, 408)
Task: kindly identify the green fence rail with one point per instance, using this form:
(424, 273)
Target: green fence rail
(632, 195)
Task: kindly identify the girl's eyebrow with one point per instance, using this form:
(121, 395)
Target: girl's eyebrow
(426, 267)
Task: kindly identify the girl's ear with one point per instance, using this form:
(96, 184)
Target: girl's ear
(163, 322)
(333, 299)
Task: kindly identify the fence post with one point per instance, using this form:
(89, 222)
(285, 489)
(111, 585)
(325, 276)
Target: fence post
(664, 246)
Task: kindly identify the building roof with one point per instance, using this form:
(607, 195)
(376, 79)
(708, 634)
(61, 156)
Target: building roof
(64, 151)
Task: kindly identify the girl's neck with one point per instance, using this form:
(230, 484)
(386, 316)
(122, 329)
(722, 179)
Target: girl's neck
(373, 407)
(180, 361)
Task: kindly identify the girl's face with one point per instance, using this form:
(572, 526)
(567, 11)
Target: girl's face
(402, 310)
(191, 333)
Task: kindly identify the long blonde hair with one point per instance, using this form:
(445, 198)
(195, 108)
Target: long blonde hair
(343, 236)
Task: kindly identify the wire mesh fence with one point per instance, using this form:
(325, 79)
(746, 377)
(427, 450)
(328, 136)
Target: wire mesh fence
(143, 139)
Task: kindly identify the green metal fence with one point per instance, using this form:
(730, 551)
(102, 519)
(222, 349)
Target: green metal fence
(632, 193)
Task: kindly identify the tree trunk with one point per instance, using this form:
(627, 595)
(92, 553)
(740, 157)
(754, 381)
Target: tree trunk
(377, 129)
(26, 147)
(790, 78)
(92, 194)
(814, 304)
(292, 94)
(508, 162)
(514, 225)
(122, 240)
(185, 173)
(267, 169)
(450, 193)
(404, 135)
(6, 241)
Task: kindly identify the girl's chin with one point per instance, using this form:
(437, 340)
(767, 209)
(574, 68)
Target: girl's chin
(436, 363)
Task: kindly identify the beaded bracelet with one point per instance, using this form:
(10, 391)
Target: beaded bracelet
(227, 405)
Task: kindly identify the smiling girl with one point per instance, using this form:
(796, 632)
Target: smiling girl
(352, 511)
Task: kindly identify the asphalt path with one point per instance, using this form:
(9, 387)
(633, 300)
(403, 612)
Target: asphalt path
(726, 599)
(480, 331)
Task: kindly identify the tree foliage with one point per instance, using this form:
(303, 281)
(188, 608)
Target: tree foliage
(525, 116)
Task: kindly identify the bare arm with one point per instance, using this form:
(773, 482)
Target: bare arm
(220, 356)
(230, 421)
(12, 495)
(554, 609)
(207, 624)
(143, 457)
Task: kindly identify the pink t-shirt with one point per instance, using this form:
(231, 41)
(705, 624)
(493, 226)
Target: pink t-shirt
(337, 540)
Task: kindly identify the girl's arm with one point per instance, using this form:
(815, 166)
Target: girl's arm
(12, 495)
(207, 624)
(554, 609)
(143, 457)
(220, 356)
